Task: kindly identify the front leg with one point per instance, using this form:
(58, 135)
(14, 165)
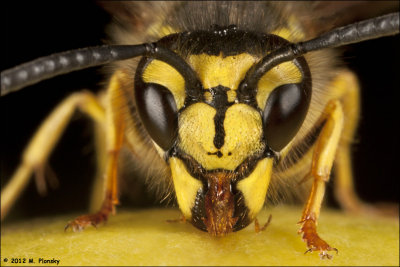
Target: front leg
(114, 132)
(323, 157)
(81, 222)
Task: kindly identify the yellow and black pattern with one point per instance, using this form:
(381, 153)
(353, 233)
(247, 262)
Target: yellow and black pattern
(222, 131)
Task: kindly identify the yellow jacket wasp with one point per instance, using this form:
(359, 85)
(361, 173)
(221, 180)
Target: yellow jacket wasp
(217, 112)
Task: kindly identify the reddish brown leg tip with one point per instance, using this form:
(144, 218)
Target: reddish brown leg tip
(257, 227)
(81, 222)
(324, 253)
(314, 242)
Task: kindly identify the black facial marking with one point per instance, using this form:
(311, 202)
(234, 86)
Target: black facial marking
(221, 39)
(218, 154)
(221, 104)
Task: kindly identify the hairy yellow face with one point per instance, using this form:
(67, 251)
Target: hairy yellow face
(219, 134)
(241, 124)
(217, 147)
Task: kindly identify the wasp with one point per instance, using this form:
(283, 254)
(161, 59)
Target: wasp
(217, 102)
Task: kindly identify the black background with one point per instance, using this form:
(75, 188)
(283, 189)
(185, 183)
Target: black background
(30, 30)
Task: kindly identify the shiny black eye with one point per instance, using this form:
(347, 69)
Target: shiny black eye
(158, 111)
(284, 114)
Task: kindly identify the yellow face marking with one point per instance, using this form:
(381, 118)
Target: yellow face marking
(243, 129)
(197, 131)
(254, 187)
(218, 70)
(231, 95)
(284, 73)
(185, 185)
(208, 97)
(161, 73)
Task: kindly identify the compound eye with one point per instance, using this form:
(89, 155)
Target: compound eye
(158, 111)
(284, 113)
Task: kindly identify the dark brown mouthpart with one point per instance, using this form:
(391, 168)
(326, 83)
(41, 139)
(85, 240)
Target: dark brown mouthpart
(219, 204)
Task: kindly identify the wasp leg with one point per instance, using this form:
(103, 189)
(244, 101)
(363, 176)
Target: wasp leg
(323, 156)
(347, 88)
(114, 137)
(348, 92)
(39, 148)
(257, 227)
(97, 188)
